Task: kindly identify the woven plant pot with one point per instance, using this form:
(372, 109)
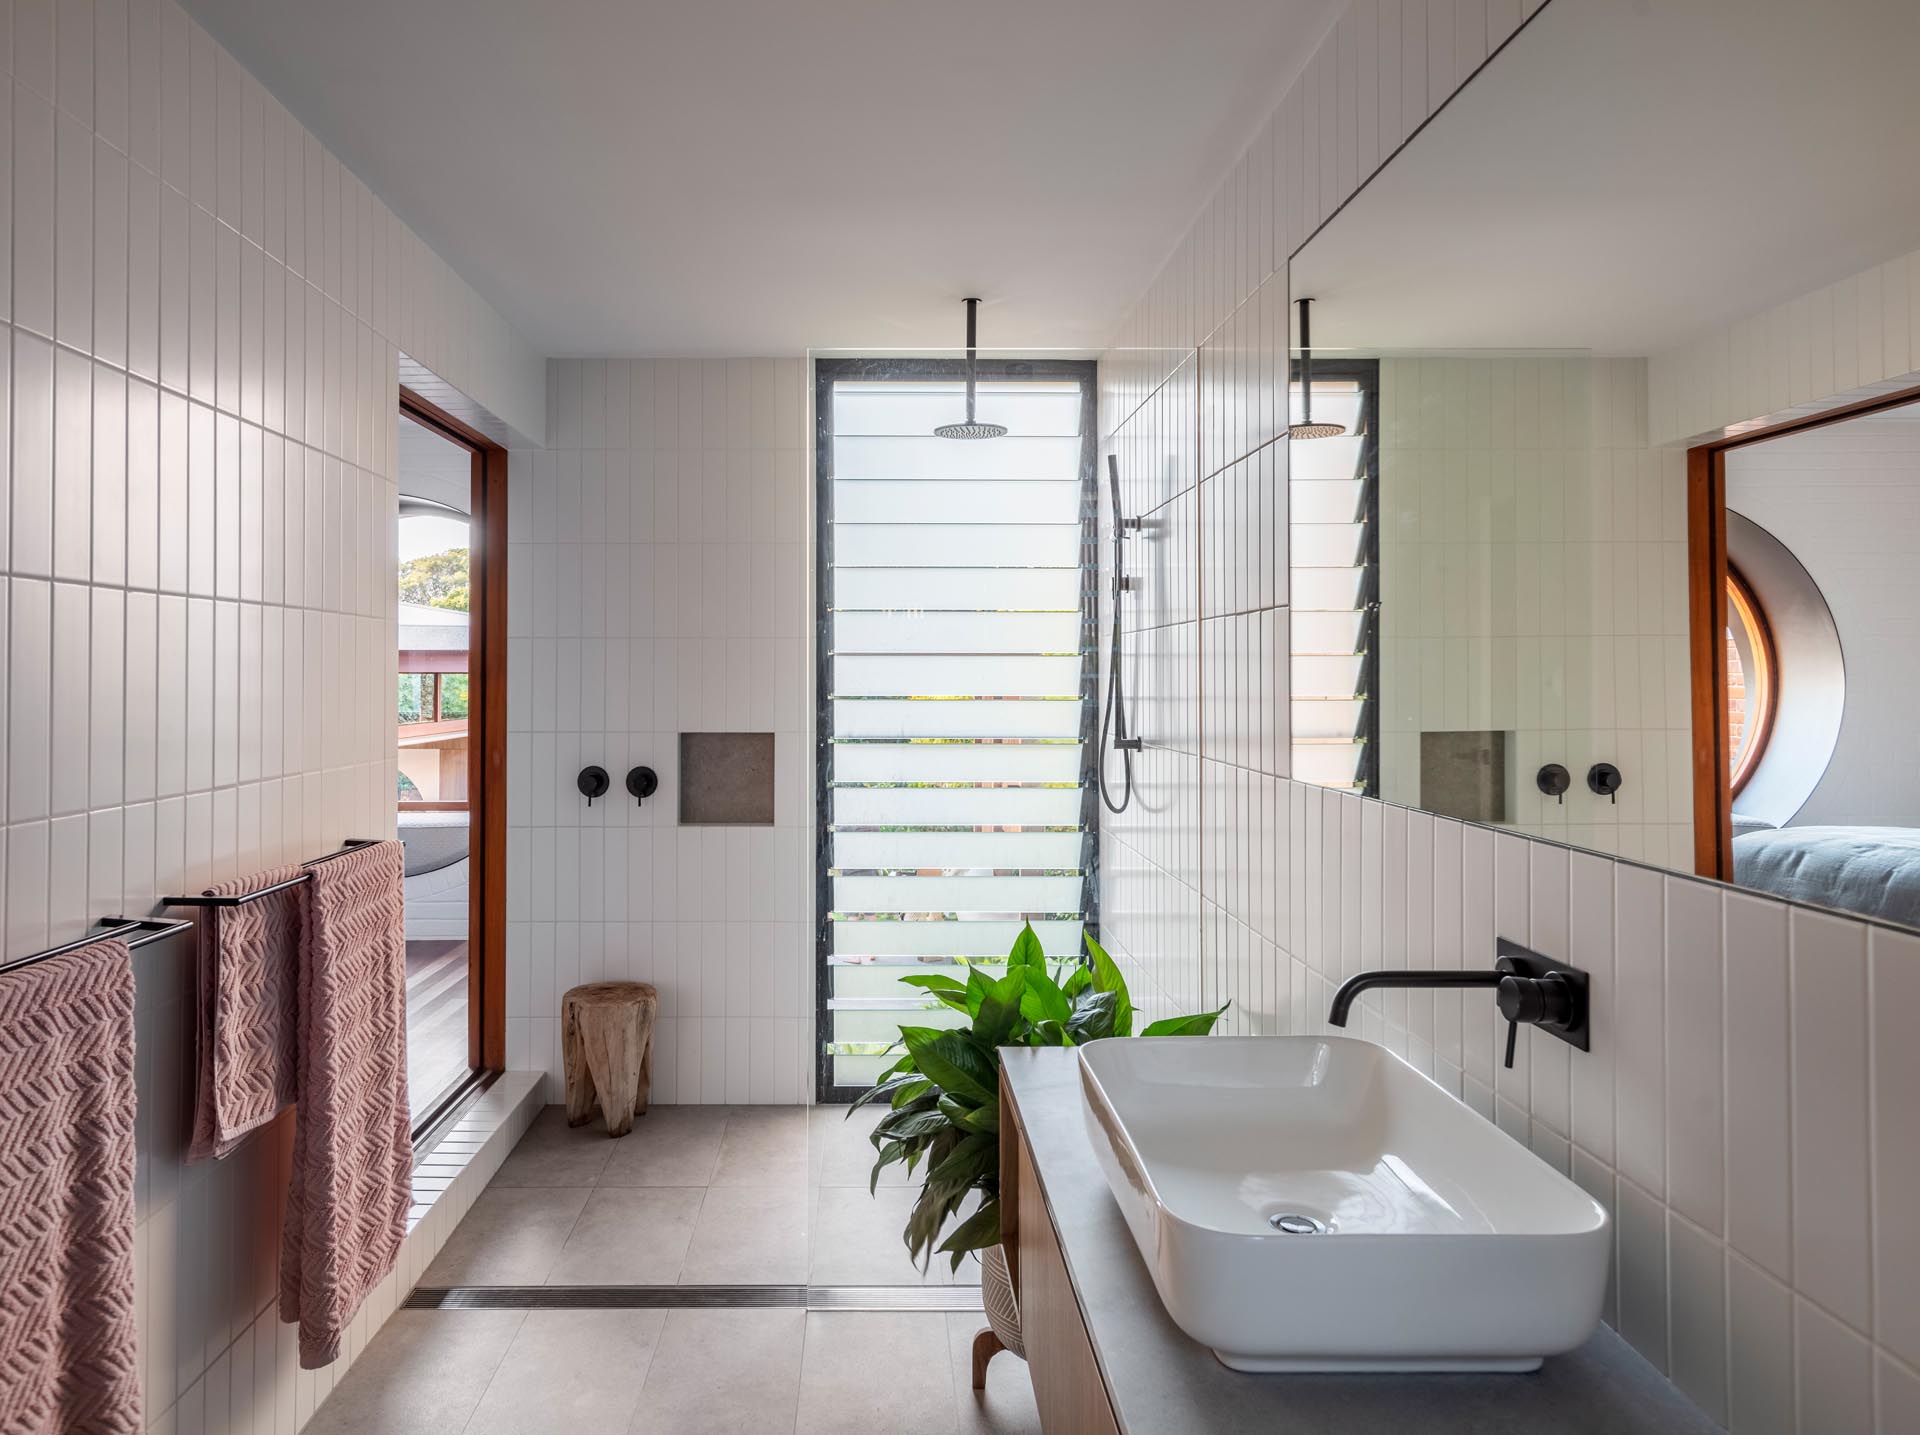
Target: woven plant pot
(996, 1294)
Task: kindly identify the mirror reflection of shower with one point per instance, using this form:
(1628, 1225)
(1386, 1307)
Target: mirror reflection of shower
(1113, 722)
(1307, 428)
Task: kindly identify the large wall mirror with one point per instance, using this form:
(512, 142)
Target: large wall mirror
(1524, 591)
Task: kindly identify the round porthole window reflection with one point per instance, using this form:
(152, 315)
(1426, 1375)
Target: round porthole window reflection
(1752, 679)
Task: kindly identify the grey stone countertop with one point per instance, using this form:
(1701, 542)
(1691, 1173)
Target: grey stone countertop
(1162, 1382)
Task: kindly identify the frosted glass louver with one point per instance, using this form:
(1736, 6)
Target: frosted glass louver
(954, 669)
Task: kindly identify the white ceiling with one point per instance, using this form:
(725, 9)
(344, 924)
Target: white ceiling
(1628, 176)
(764, 176)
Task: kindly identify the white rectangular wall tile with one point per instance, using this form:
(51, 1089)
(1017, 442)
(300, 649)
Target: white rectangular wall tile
(162, 458)
(661, 583)
(1832, 1200)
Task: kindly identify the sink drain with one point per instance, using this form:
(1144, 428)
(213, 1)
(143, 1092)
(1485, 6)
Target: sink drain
(1292, 1223)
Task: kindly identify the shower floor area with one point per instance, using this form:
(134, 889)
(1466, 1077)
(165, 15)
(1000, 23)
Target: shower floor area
(717, 1269)
(436, 1020)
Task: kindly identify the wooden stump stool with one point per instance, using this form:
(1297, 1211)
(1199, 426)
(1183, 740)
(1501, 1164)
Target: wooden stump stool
(606, 1040)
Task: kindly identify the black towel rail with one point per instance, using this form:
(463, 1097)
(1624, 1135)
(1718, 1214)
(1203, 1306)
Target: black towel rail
(134, 931)
(352, 844)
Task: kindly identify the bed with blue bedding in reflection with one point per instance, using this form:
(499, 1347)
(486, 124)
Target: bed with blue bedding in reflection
(1874, 871)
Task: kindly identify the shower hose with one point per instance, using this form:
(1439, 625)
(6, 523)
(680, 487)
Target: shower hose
(1113, 722)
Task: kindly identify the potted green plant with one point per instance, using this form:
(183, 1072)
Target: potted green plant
(944, 1092)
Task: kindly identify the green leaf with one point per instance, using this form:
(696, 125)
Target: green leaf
(1001, 1008)
(1048, 1033)
(884, 1087)
(1026, 950)
(1107, 978)
(976, 1156)
(915, 1088)
(934, 982)
(887, 1090)
(913, 1123)
(1043, 1000)
(1199, 1024)
(911, 1034)
(926, 1221)
(978, 985)
(1077, 981)
(949, 1060)
(971, 1118)
(976, 1233)
(1093, 1016)
(891, 1152)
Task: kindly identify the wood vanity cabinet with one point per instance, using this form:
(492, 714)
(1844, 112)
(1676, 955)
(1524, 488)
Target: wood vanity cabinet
(1067, 1386)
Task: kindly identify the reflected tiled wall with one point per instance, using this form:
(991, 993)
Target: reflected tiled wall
(1533, 568)
(203, 318)
(1750, 1112)
(660, 585)
(1190, 404)
(1851, 340)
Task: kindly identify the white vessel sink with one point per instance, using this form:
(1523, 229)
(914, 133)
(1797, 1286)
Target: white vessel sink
(1314, 1203)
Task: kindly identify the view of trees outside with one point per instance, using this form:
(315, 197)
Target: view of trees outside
(436, 580)
(415, 698)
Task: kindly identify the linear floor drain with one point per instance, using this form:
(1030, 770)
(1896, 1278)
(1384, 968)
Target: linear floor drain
(701, 1297)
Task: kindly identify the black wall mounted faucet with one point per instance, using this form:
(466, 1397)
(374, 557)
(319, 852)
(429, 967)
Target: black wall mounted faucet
(592, 782)
(1530, 988)
(1603, 780)
(642, 783)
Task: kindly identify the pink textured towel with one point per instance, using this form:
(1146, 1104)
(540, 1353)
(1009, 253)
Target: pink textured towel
(247, 1012)
(352, 1175)
(67, 1356)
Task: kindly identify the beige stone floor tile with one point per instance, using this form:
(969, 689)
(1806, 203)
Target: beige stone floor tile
(511, 1236)
(570, 1372)
(555, 1154)
(724, 1372)
(766, 1147)
(748, 1235)
(629, 1235)
(422, 1375)
(669, 1146)
(857, 1240)
(868, 1373)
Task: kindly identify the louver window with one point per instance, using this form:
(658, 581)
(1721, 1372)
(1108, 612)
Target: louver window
(1333, 487)
(956, 680)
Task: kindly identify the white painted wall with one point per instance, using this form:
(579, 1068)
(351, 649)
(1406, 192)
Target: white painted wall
(658, 548)
(1745, 1114)
(202, 319)
(1845, 500)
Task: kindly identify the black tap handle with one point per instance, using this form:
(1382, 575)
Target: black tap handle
(1543, 1001)
(1513, 1033)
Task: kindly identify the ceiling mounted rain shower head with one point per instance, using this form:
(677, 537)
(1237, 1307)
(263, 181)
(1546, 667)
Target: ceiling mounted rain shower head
(1307, 428)
(972, 428)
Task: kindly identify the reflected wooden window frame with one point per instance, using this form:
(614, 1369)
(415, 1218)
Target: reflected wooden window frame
(1761, 673)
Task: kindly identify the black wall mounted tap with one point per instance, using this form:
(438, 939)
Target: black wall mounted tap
(1530, 988)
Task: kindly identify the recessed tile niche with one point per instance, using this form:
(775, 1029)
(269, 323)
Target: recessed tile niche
(726, 779)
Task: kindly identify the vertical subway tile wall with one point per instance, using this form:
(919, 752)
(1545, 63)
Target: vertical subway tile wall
(202, 321)
(660, 586)
(1749, 1109)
